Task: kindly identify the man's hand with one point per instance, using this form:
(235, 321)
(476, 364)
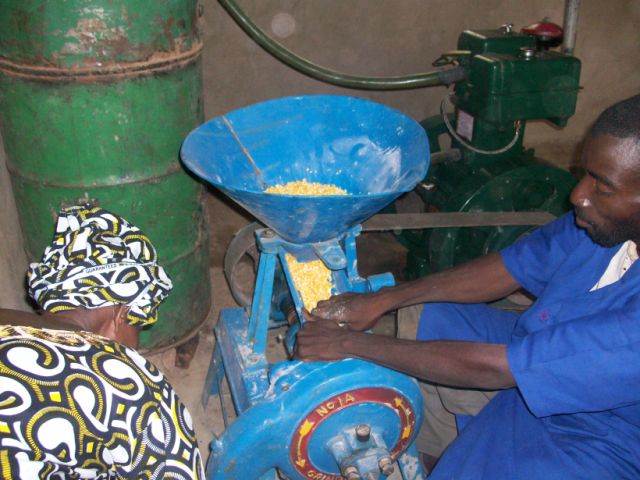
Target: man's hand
(355, 311)
(319, 342)
(452, 363)
(460, 284)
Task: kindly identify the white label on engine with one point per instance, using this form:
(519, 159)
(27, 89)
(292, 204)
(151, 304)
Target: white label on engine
(464, 127)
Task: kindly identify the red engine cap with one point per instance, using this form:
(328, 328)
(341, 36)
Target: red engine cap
(544, 29)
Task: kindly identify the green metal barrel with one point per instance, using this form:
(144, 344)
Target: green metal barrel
(95, 100)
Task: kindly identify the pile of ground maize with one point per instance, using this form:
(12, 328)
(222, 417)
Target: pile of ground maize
(312, 280)
(302, 187)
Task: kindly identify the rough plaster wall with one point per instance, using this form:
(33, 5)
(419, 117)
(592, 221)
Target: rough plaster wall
(13, 260)
(398, 37)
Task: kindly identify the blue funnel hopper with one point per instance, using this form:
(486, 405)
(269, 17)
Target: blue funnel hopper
(374, 152)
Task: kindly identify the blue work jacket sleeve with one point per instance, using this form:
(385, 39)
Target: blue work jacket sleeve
(534, 259)
(588, 364)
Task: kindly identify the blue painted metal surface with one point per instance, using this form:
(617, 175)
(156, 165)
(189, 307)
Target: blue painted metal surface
(278, 405)
(338, 254)
(311, 405)
(302, 417)
(374, 152)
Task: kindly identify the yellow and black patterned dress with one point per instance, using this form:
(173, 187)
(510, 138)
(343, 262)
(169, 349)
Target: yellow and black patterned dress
(74, 405)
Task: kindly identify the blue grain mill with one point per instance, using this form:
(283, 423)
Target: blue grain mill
(327, 421)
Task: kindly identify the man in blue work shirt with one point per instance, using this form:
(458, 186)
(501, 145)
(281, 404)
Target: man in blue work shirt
(567, 371)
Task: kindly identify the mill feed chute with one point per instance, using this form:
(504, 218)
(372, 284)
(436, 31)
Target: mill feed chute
(349, 419)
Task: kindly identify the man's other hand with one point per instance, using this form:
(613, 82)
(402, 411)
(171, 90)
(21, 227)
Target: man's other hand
(355, 311)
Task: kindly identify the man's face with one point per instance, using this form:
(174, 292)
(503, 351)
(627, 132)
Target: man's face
(607, 199)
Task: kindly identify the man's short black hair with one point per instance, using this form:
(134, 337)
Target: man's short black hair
(621, 120)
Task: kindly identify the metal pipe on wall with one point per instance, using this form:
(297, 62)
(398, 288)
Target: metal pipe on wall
(570, 27)
(420, 80)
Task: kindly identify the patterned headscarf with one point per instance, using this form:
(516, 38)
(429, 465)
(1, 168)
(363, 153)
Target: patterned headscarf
(98, 259)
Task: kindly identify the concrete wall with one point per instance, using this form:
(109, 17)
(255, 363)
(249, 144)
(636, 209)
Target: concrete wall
(13, 260)
(399, 37)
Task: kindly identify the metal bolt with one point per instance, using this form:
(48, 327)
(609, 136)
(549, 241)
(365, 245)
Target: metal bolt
(527, 53)
(285, 387)
(363, 432)
(386, 466)
(350, 472)
(268, 233)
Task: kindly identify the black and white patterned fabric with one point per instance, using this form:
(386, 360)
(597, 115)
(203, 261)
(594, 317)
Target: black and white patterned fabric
(75, 405)
(98, 259)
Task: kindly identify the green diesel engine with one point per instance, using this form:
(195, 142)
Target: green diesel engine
(510, 78)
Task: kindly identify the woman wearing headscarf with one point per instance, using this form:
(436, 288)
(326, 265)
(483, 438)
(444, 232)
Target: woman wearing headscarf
(76, 399)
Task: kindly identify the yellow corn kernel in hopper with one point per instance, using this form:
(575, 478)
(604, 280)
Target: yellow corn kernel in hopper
(310, 189)
(312, 280)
